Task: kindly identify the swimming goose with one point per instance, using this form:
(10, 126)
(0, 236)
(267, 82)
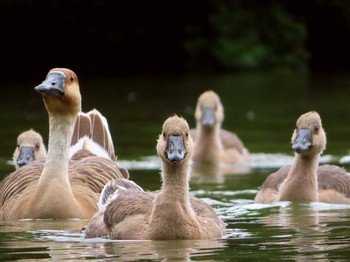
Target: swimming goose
(212, 144)
(305, 180)
(57, 187)
(170, 213)
(30, 146)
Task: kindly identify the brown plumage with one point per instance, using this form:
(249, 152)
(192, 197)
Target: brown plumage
(57, 187)
(305, 180)
(170, 213)
(30, 146)
(91, 132)
(212, 144)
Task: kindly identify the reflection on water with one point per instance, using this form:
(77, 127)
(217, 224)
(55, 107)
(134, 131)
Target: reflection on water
(310, 227)
(63, 240)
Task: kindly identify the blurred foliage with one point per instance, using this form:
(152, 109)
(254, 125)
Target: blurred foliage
(105, 37)
(250, 35)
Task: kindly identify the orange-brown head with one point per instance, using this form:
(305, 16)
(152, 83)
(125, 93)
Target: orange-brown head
(60, 91)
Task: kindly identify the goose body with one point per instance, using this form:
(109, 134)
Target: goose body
(58, 187)
(30, 147)
(169, 213)
(305, 180)
(212, 144)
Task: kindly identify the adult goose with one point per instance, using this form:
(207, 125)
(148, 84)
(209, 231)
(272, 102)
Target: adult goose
(57, 187)
(171, 213)
(305, 180)
(212, 144)
(30, 146)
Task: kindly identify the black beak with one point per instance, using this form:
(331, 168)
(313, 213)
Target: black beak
(303, 141)
(26, 155)
(175, 150)
(53, 85)
(208, 117)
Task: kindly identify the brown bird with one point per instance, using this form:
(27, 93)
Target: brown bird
(58, 187)
(128, 212)
(212, 144)
(305, 180)
(30, 147)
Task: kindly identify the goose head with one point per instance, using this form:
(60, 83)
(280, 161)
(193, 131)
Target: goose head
(60, 91)
(30, 146)
(209, 110)
(175, 145)
(309, 138)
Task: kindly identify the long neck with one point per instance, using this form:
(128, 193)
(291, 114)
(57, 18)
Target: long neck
(301, 182)
(56, 165)
(175, 180)
(207, 139)
(172, 216)
(53, 196)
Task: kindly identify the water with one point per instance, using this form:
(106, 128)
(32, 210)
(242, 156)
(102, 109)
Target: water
(260, 108)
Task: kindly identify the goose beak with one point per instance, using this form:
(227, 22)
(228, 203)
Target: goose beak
(175, 150)
(208, 117)
(53, 85)
(303, 141)
(26, 155)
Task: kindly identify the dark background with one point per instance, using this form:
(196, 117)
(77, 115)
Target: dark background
(113, 38)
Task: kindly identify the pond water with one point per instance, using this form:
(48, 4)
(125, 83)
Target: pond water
(260, 108)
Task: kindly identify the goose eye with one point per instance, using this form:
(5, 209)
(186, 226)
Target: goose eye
(71, 79)
(186, 134)
(37, 146)
(164, 135)
(317, 128)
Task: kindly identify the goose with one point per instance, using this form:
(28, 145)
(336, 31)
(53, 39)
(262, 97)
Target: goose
(212, 144)
(170, 213)
(305, 180)
(57, 187)
(30, 146)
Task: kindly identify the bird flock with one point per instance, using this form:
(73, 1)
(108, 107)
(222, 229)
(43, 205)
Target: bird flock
(78, 176)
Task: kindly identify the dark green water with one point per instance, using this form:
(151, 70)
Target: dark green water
(260, 108)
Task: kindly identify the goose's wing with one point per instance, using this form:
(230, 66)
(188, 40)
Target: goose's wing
(100, 132)
(207, 213)
(16, 188)
(128, 203)
(269, 189)
(331, 177)
(94, 172)
(231, 140)
(82, 127)
(91, 132)
(124, 209)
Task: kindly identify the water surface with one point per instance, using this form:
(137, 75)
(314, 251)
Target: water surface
(260, 108)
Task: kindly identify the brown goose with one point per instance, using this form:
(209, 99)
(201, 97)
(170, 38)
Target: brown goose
(305, 180)
(170, 213)
(57, 187)
(30, 146)
(212, 144)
